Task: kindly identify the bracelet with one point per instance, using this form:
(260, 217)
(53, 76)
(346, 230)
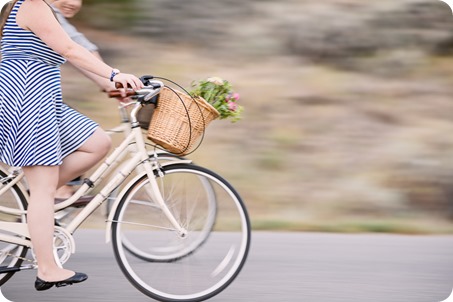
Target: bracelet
(113, 74)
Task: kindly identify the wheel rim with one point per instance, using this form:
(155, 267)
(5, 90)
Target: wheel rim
(202, 272)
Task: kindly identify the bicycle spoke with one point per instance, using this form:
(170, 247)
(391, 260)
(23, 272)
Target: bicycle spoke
(143, 225)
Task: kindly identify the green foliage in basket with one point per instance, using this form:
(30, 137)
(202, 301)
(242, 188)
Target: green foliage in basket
(219, 94)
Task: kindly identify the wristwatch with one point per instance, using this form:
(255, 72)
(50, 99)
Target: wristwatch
(113, 74)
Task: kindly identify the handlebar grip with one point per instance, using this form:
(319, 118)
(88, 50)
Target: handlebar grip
(119, 85)
(117, 93)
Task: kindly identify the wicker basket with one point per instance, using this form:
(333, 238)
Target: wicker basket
(176, 127)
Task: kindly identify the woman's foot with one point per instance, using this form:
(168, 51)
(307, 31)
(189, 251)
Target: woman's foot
(54, 273)
(41, 285)
(64, 192)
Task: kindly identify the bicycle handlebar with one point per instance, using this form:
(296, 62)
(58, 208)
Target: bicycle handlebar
(117, 93)
(152, 87)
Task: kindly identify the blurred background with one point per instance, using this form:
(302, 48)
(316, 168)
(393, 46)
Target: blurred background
(348, 123)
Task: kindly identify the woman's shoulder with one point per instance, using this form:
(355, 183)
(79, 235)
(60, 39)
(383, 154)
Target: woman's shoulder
(36, 10)
(36, 4)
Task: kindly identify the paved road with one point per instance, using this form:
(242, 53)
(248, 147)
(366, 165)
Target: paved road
(283, 267)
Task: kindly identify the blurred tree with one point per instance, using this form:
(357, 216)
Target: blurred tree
(188, 21)
(109, 14)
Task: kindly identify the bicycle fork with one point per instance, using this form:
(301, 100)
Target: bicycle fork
(155, 193)
(153, 188)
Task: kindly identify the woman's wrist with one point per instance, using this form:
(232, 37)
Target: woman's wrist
(114, 73)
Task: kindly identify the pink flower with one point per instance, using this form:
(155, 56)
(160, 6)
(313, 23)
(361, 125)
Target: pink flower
(235, 96)
(232, 106)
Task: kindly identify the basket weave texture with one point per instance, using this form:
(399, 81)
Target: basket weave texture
(176, 127)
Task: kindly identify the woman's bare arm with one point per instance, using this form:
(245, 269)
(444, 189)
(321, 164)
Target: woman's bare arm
(102, 82)
(37, 16)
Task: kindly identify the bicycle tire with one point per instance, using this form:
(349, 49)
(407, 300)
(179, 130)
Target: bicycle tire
(204, 270)
(11, 255)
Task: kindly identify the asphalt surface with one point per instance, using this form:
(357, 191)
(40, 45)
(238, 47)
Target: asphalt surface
(281, 267)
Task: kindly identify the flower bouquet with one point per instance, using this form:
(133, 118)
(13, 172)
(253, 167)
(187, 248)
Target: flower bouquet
(219, 94)
(179, 120)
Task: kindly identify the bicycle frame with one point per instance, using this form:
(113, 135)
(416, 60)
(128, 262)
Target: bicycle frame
(134, 140)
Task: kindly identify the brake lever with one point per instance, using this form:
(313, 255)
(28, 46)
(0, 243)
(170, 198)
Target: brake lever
(145, 79)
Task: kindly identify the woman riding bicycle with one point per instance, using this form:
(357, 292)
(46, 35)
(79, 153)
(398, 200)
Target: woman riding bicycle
(38, 132)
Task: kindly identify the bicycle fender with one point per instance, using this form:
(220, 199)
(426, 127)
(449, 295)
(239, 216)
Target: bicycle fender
(108, 234)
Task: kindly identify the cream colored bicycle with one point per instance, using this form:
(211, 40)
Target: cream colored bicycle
(179, 231)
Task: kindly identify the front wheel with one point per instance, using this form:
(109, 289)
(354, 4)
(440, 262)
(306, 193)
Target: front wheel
(202, 263)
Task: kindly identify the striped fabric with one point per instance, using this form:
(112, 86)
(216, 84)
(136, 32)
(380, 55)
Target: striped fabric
(36, 127)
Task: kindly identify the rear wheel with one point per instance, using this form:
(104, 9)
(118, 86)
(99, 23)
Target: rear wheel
(194, 267)
(11, 255)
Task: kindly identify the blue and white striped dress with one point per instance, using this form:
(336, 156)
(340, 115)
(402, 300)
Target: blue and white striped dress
(36, 127)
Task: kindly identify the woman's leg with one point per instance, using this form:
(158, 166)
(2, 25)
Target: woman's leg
(42, 181)
(84, 158)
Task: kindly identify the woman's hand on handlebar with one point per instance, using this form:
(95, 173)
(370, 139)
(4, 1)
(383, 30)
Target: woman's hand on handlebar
(127, 81)
(114, 92)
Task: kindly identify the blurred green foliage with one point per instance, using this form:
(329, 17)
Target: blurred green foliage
(108, 14)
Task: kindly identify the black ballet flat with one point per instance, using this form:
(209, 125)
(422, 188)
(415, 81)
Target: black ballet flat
(44, 285)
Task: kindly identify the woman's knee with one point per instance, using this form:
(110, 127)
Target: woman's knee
(103, 142)
(99, 143)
